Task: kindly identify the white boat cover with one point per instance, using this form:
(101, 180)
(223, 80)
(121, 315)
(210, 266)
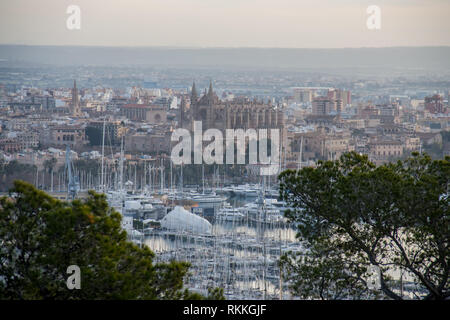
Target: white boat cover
(132, 205)
(180, 219)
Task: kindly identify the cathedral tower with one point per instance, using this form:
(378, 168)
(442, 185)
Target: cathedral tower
(75, 109)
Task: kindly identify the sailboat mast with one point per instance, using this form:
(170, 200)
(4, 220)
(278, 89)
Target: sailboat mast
(300, 156)
(121, 166)
(135, 176)
(144, 177)
(171, 178)
(103, 156)
(181, 179)
(264, 237)
(162, 176)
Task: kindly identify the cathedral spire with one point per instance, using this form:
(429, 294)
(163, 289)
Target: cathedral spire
(182, 107)
(194, 96)
(210, 92)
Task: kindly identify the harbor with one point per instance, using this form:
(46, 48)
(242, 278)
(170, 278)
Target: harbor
(232, 237)
(237, 250)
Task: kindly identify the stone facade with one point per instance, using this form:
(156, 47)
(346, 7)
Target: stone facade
(151, 114)
(237, 114)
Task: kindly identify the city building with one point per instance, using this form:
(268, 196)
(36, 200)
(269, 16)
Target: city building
(73, 135)
(303, 95)
(435, 104)
(326, 105)
(114, 130)
(152, 114)
(385, 150)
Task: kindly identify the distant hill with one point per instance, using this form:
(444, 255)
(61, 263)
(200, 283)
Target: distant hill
(395, 58)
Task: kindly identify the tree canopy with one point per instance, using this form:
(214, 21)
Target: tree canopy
(369, 232)
(41, 237)
(12, 170)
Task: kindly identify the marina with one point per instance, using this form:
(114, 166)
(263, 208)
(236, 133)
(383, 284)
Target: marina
(238, 255)
(230, 241)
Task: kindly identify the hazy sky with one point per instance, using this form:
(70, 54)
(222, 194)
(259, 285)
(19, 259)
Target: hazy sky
(226, 23)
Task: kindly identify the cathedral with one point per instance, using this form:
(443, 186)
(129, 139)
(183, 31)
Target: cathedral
(241, 113)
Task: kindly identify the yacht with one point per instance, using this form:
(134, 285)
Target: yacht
(228, 213)
(210, 203)
(247, 190)
(274, 210)
(136, 205)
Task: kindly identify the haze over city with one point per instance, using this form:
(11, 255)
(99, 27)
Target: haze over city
(227, 23)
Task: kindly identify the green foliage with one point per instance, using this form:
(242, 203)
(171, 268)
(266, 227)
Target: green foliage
(360, 224)
(215, 294)
(15, 166)
(41, 236)
(12, 170)
(326, 272)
